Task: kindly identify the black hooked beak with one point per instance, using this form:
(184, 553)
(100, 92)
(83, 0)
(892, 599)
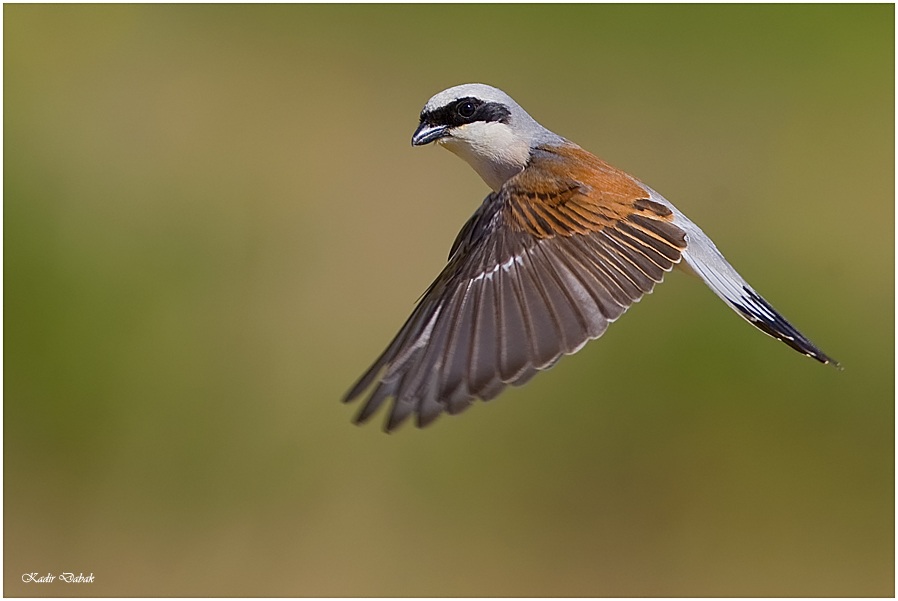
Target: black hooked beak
(426, 133)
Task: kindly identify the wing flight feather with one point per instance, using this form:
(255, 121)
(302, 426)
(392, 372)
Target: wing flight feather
(543, 266)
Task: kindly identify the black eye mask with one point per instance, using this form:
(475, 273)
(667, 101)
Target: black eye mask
(466, 110)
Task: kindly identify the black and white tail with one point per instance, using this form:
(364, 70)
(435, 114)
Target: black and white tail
(703, 258)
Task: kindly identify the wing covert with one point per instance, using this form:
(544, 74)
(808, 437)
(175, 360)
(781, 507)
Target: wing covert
(543, 266)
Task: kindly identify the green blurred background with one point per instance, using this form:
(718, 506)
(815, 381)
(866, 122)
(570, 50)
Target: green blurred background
(214, 222)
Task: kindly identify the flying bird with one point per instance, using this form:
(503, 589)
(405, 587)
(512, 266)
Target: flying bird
(559, 249)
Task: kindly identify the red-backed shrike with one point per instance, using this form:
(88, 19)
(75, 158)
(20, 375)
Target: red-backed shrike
(563, 245)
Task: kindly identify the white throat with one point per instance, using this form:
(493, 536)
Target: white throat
(492, 149)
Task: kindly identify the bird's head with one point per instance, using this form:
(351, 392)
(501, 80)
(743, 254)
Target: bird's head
(485, 127)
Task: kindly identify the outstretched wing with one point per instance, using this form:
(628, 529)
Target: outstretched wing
(545, 264)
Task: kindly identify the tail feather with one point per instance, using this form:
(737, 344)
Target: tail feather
(703, 258)
(743, 299)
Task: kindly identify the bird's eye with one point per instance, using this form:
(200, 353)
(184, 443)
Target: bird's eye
(466, 109)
